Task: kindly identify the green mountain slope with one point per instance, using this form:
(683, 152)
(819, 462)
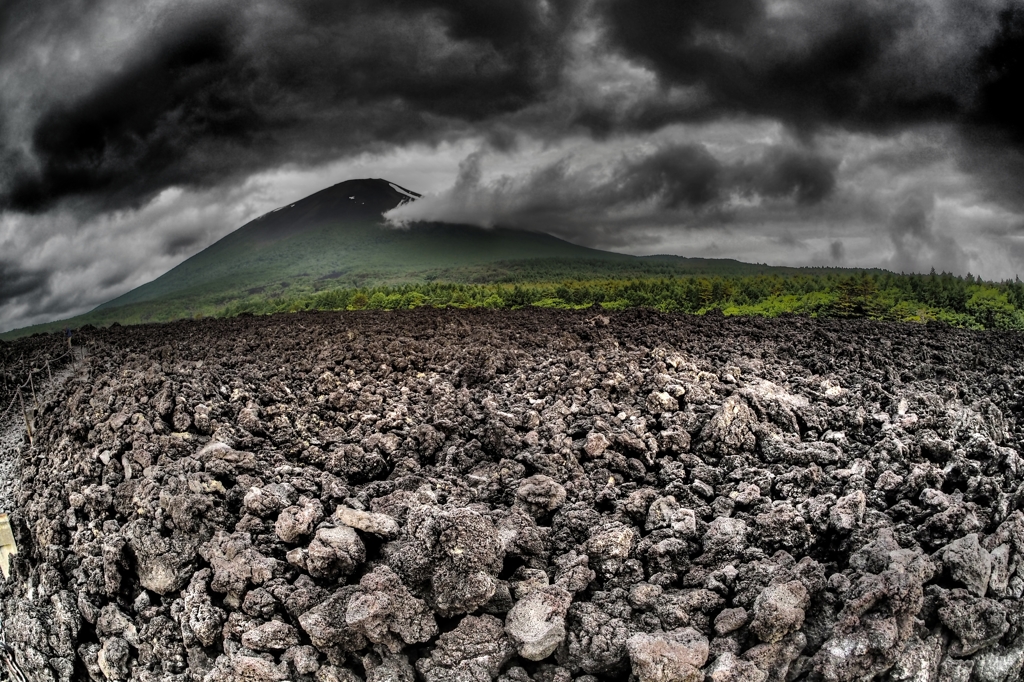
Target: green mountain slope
(335, 239)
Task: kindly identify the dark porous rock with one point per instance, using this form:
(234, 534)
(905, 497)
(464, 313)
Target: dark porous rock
(269, 500)
(386, 612)
(596, 641)
(334, 552)
(730, 431)
(461, 555)
(976, 622)
(327, 626)
(236, 565)
(540, 494)
(475, 651)
(521, 496)
(368, 522)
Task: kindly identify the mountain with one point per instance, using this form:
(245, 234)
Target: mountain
(336, 238)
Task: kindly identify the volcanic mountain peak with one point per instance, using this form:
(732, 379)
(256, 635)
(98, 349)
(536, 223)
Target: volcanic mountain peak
(361, 200)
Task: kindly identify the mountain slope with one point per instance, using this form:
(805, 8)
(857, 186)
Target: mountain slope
(336, 238)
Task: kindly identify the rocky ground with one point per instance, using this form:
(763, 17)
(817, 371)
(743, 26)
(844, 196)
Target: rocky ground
(530, 496)
(48, 359)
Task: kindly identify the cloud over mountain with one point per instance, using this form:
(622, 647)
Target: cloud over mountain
(675, 185)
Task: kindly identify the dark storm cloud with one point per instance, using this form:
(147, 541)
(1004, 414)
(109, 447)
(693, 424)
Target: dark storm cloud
(598, 204)
(993, 146)
(855, 64)
(16, 281)
(136, 132)
(114, 277)
(221, 92)
(680, 176)
(205, 93)
(806, 177)
(688, 175)
(1000, 69)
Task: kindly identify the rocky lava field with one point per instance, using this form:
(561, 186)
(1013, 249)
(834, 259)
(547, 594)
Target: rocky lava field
(546, 496)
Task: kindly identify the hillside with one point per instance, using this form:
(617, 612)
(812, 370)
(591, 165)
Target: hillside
(335, 239)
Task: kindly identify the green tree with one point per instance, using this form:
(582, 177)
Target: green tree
(359, 301)
(991, 308)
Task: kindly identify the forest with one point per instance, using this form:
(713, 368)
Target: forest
(958, 301)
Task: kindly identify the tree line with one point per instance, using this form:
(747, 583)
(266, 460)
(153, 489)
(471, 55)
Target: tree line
(960, 301)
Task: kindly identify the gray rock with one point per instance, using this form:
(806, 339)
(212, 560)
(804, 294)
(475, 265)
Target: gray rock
(251, 669)
(272, 636)
(725, 538)
(536, 624)
(164, 565)
(574, 573)
(236, 565)
(388, 667)
(303, 659)
(334, 552)
(327, 626)
(297, 522)
(596, 444)
(860, 654)
(332, 673)
(112, 659)
(999, 578)
(779, 610)
(660, 401)
(596, 639)
(956, 670)
(200, 620)
(386, 612)
(527, 580)
(728, 668)
(661, 513)
(611, 542)
(730, 431)
(1002, 663)
(474, 651)
(919, 660)
(730, 620)
(460, 552)
(968, 563)
(368, 522)
(540, 494)
(269, 500)
(777, 659)
(674, 656)
(645, 596)
(848, 511)
(977, 622)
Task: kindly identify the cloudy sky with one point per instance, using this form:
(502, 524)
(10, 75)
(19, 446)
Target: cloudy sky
(828, 132)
